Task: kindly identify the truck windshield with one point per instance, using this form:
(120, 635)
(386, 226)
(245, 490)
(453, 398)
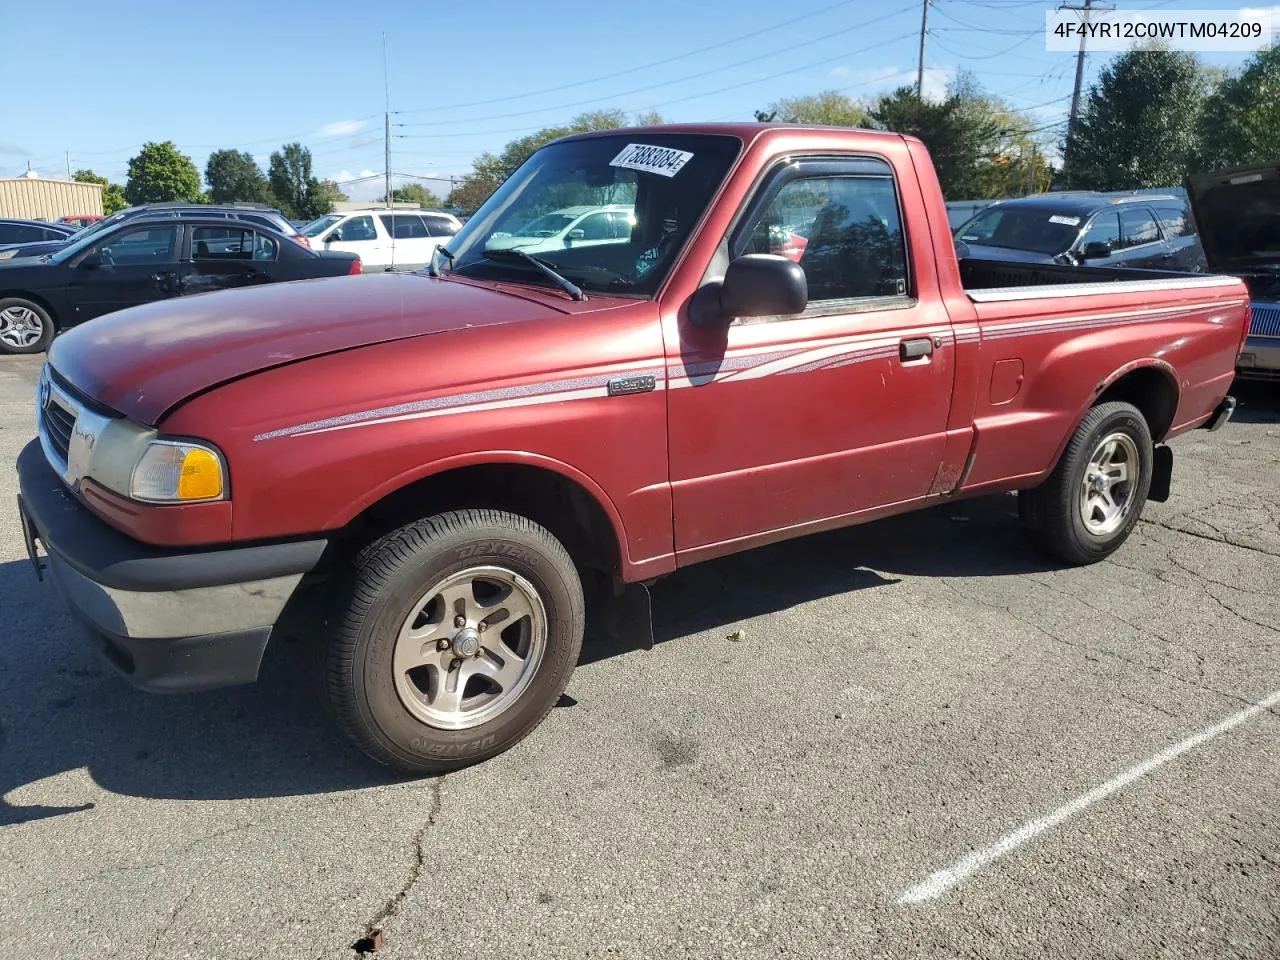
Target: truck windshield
(633, 199)
(1037, 230)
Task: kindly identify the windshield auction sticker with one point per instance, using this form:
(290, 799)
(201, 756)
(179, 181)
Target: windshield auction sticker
(664, 161)
(1070, 27)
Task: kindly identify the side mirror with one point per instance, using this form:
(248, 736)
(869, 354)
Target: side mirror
(578, 234)
(336, 235)
(91, 260)
(756, 285)
(1095, 250)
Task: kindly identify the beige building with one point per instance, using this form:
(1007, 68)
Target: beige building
(35, 198)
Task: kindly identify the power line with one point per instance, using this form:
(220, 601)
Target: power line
(678, 80)
(622, 73)
(666, 103)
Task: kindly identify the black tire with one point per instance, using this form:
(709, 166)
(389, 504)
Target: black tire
(1051, 513)
(389, 580)
(44, 338)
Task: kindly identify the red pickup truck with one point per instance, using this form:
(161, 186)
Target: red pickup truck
(435, 464)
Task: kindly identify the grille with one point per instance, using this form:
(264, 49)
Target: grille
(58, 424)
(1265, 320)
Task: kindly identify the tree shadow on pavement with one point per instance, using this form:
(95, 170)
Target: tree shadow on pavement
(62, 708)
(1258, 401)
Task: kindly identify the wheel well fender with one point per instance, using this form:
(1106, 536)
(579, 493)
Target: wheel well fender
(547, 491)
(34, 298)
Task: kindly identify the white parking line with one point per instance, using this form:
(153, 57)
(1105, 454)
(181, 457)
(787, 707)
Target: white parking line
(942, 881)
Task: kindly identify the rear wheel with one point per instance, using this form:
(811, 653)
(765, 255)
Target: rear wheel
(1091, 502)
(460, 634)
(25, 327)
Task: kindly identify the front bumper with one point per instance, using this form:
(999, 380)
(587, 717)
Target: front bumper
(1260, 359)
(168, 619)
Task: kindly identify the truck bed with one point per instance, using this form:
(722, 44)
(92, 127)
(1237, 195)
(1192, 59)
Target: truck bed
(1001, 274)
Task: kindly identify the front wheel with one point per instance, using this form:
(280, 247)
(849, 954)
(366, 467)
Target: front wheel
(460, 634)
(25, 327)
(1091, 502)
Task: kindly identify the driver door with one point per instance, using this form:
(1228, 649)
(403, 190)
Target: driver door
(135, 265)
(779, 425)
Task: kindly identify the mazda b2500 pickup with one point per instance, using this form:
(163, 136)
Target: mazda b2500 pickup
(784, 342)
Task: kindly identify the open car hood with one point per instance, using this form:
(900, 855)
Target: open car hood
(1237, 214)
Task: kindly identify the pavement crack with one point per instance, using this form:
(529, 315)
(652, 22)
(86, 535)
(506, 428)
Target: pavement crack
(168, 922)
(1220, 538)
(1093, 654)
(392, 907)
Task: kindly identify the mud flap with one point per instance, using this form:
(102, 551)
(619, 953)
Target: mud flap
(1161, 474)
(628, 617)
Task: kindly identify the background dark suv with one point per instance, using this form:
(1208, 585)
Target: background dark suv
(1152, 231)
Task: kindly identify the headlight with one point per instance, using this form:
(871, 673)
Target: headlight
(178, 471)
(8, 254)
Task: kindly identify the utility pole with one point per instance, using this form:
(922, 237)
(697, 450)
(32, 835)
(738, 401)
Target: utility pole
(1075, 92)
(924, 26)
(68, 164)
(386, 85)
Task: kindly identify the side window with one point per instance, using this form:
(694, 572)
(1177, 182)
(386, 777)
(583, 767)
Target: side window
(355, 230)
(54, 234)
(843, 230)
(440, 226)
(264, 248)
(143, 245)
(1137, 227)
(22, 233)
(621, 225)
(403, 226)
(1105, 228)
(594, 227)
(1175, 221)
(222, 243)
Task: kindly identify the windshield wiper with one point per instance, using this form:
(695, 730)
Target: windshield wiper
(432, 269)
(564, 283)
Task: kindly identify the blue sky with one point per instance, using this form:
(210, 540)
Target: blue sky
(100, 79)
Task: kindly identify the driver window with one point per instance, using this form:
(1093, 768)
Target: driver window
(143, 245)
(1137, 227)
(356, 229)
(596, 227)
(843, 230)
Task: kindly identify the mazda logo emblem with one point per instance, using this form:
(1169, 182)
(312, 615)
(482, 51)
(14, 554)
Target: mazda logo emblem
(44, 392)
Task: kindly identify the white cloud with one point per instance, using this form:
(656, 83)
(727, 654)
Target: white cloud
(935, 82)
(840, 72)
(339, 127)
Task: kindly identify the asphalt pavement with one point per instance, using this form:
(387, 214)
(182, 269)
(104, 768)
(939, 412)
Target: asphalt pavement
(916, 738)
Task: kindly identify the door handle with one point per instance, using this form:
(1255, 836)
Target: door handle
(915, 349)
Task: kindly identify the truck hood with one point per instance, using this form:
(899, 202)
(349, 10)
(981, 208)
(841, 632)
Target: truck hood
(1237, 213)
(144, 361)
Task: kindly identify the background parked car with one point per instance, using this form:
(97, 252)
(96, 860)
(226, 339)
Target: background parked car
(80, 220)
(257, 214)
(581, 226)
(383, 237)
(33, 231)
(144, 259)
(1091, 229)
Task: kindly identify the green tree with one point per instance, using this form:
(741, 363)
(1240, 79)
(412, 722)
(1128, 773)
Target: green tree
(1240, 123)
(980, 146)
(112, 193)
(1139, 125)
(233, 175)
(416, 193)
(488, 171)
(322, 198)
(829, 108)
(161, 172)
(297, 193)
